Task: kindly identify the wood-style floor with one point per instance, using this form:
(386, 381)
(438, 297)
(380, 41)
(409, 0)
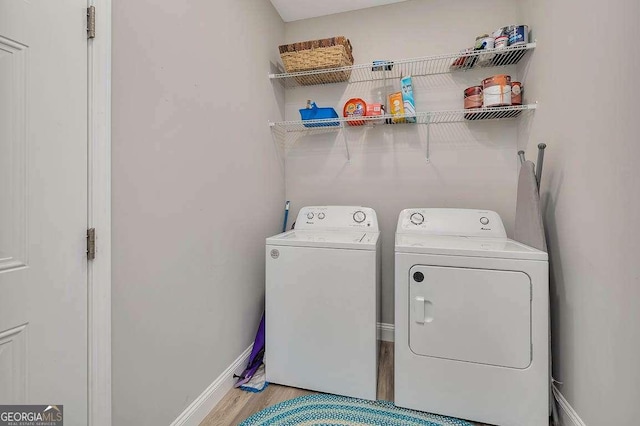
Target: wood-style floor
(237, 405)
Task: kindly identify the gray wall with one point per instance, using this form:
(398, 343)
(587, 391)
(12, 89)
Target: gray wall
(588, 115)
(472, 166)
(197, 186)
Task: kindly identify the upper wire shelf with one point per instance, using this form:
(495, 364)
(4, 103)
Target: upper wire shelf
(429, 65)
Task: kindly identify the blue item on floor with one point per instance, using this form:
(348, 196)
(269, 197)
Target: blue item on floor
(315, 113)
(333, 410)
(258, 381)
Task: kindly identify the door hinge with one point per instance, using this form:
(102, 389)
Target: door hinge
(91, 243)
(91, 22)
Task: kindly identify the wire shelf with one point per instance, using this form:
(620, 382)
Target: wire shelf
(431, 117)
(478, 114)
(429, 65)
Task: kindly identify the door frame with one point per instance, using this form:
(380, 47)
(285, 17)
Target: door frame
(99, 217)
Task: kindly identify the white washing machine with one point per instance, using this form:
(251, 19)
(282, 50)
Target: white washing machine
(322, 298)
(471, 318)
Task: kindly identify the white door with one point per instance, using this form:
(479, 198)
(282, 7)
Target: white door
(43, 204)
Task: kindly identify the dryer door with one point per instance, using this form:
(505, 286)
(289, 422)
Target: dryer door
(473, 315)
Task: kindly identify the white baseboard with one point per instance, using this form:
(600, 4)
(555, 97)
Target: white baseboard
(386, 332)
(568, 416)
(198, 410)
(202, 406)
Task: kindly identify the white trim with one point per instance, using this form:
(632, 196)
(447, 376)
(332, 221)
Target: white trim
(386, 332)
(202, 406)
(99, 217)
(568, 416)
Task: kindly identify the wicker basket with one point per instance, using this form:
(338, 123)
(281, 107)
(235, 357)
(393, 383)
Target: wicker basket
(315, 55)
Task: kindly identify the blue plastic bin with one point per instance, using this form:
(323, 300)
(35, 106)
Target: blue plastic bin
(315, 113)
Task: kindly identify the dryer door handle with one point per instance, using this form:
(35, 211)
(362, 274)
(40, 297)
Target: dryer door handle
(418, 309)
(422, 310)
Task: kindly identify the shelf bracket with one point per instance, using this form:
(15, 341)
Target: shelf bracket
(280, 144)
(346, 144)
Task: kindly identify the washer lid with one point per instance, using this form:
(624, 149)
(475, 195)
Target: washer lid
(503, 248)
(354, 240)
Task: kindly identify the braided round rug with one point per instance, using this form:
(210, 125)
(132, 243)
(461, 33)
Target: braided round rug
(333, 410)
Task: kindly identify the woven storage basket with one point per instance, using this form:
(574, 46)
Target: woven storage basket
(335, 52)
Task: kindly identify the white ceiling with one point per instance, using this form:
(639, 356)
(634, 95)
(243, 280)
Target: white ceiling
(293, 10)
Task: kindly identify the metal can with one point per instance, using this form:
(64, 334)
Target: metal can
(488, 43)
(473, 97)
(479, 41)
(496, 90)
(518, 34)
(516, 93)
(502, 42)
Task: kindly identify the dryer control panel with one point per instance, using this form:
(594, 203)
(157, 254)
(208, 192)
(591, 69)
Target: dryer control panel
(337, 217)
(454, 222)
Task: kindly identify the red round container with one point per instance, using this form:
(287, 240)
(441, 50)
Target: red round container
(473, 97)
(355, 107)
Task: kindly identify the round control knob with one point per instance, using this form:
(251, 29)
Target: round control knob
(359, 216)
(309, 215)
(484, 220)
(417, 219)
(321, 216)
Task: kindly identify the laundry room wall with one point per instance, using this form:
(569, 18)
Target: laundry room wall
(588, 115)
(471, 165)
(197, 186)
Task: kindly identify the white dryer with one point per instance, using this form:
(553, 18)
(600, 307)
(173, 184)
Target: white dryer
(322, 298)
(471, 318)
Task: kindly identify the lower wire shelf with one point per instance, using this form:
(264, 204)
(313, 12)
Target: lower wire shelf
(286, 132)
(431, 117)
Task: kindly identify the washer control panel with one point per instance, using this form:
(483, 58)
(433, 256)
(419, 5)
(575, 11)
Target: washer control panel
(337, 217)
(455, 222)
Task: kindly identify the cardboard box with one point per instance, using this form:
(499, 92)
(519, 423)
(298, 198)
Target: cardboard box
(396, 107)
